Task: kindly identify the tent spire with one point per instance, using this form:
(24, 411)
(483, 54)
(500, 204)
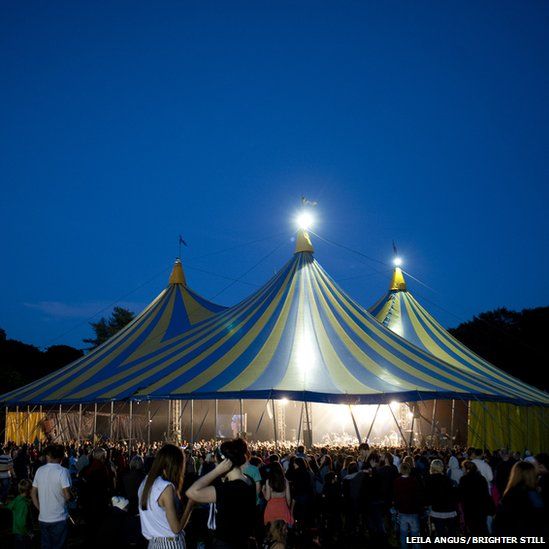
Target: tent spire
(398, 284)
(303, 242)
(178, 276)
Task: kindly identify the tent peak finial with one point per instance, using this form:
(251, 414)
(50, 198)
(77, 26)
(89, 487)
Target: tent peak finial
(178, 275)
(303, 242)
(398, 283)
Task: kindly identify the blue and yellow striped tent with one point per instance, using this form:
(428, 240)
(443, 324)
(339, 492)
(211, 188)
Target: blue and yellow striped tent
(400, 311)
(176, 309)
(300, 336)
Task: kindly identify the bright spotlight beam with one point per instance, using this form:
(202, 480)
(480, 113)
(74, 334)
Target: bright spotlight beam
(304, 220)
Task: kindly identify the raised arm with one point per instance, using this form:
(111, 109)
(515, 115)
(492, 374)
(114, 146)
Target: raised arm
(201, 491)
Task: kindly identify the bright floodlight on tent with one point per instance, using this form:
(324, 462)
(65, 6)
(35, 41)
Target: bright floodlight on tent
(304, 220)
(397, 261)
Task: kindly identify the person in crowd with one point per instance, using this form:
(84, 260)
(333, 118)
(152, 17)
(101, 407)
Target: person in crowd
(475, 501)
(277, 495)
(6, 474)
(520, 511)
(50, 494)
(482, 465)
(131, 480)
(22, 522)
(301, 482)
(408, 503)
(440, 496)
(503, 471)
(276, 535)
(234, 498)
(455, 472)
(21, 463)
(96, 491)
(158, 500)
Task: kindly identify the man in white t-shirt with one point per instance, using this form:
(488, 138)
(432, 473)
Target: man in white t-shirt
(50, 494)
(484, 469)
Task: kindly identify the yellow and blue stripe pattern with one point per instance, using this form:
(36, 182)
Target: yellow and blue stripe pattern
(300, 336)
(399, 311)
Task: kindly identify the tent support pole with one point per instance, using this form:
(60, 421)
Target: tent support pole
(299, 425)
(130, 431)
(398, 426)
(192, 421)
(28, 423)
(241, 435)
(372, 425)
(111, 420)
(149, 420)
(79, 422)
(216, 410)
(94, 422)
(274, 423)
(410, 442)
(452, 421)
(308, 422)
(433, 422)
(355, 425)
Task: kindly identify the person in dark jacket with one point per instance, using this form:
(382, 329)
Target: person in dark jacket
(352, 489)
(440, 496)
(520, 511)
(475, 500)
(407, 502)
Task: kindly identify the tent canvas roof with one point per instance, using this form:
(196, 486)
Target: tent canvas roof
(300, 336)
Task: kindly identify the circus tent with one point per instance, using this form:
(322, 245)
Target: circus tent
(520, 423)
(300, 337)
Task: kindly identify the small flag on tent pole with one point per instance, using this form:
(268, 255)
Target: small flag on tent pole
(181, 241)
(305, 202)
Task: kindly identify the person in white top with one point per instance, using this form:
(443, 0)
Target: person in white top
(158, 496)
(50, 494)
(484, 469)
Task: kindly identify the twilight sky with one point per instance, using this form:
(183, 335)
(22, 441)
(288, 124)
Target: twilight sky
(124, 124)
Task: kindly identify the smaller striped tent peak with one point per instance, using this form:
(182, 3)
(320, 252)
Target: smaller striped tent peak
(176, 310)
(400, 311)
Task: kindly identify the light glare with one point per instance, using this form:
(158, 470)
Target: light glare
(397, 261)
(304, 220)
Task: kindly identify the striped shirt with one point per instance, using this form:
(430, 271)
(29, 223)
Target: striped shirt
(6, 465)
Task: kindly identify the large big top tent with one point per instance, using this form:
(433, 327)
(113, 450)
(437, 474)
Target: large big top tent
(298, 337)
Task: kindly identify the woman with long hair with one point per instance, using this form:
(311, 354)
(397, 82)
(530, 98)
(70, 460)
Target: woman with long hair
(158, 498)
(234, 498)
(277, 495)
(520, 510)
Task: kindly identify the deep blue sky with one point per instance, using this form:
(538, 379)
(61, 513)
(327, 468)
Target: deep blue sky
(123, 124)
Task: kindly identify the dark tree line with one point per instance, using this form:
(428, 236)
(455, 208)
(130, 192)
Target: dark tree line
(21, 363)
(513, 341)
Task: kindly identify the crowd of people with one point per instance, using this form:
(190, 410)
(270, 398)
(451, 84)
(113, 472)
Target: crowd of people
(240, 495)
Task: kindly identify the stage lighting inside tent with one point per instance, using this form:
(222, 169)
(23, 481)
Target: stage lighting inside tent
(304, 220)
(397, 261)
(283, 401)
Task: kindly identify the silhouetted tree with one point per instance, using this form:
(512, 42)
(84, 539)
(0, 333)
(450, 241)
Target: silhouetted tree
(105, 328)
(22, 363)
(511, 340)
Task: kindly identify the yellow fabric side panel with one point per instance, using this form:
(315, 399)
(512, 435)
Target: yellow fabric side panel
(495, 424)
(22, 427)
